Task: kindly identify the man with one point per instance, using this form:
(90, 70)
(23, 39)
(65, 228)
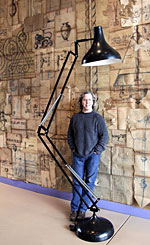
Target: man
(87, 138)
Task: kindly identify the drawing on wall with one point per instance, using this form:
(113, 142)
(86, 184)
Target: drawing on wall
(134, 12)
(116, 21)
(134, 84)
(65, 30)
(143, 184)
(131, 86)
(2, 121)
(19, 164)
(13, 9)
(16, 57)
(43, 41)
(44, 160)
(60, 59)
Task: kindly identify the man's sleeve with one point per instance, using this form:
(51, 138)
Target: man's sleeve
(70, 136)
(102, 137)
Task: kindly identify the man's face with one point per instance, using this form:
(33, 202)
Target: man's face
(87, 103)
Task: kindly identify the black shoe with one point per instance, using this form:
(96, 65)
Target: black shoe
(73, 216)
(81, 215)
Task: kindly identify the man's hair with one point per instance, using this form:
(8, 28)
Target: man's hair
(81, 98)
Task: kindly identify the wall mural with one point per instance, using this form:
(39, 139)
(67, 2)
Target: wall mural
(16, 57)
(13, 8)
(65, 30)
(34, 41)
(43, 41)
(133, 84)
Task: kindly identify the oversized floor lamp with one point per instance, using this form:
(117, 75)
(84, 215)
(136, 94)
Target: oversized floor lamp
(94, 228)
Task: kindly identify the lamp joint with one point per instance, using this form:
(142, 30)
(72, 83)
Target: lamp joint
(46, 132)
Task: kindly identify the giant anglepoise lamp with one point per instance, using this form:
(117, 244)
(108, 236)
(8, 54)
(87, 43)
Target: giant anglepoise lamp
(94, 228)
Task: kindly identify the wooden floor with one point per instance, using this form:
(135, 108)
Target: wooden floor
(30, 218)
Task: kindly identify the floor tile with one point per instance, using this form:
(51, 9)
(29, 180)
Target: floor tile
(30, 218)
(136, 231)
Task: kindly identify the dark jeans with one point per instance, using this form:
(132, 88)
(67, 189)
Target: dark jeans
(88, 167)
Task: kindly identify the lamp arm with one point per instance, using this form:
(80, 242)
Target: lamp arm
(71, 170)
(75, 54)
(49, 112)
(93, 207)
(46, 114)
(58, 80)
(76, 176)
(76, 43)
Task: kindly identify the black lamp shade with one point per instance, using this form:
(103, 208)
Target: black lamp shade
(100, 52)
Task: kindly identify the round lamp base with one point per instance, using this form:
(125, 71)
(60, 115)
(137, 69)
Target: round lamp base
(94, 229)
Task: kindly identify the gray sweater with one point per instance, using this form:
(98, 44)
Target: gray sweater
(87, 133)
